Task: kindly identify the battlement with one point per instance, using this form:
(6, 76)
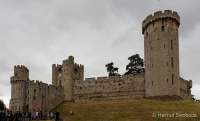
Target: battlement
(17, 81)
(21, 67)
(69, 60)
(190, 84)
(21, 72)
(36, 81)
(40, 83)
(57, 65)
(112, 77)
(114, 87)
(160, 15)
(79, 65)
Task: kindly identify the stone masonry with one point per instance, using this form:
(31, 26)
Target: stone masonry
(161, 53)
(30, 95)
(161, 77)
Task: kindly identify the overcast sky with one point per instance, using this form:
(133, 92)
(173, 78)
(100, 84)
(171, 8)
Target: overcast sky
(38, 33)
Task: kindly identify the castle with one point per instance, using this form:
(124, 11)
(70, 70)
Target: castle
(160, 79)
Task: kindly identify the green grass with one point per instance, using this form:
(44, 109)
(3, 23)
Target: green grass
(128, 110)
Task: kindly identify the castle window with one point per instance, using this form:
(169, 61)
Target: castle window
(162, 28)
(34, 97)
(167, 80)
(163, 21)
(172, 62)
(75, 70)
(171, 44)
(147, 34)
(60, 70)
(150, 46)
(152, 83)
(34, 90)
(164, 46)
(172, 79)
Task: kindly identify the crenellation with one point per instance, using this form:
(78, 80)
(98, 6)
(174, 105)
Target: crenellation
(76, 64)
(105, 86)
(148, 18)
(168, 12)
(176, 14)
(21, 67)
(32, 81)
(190, 83)
(158, 16)
(70, 60)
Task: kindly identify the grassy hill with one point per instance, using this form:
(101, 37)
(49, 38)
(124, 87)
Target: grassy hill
(130, 110)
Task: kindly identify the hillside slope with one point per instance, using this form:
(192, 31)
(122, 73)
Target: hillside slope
(130, 110)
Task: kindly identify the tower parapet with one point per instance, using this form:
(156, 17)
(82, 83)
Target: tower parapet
(64, 75)
(21, 72)
(159, 15)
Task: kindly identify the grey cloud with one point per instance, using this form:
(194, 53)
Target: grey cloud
(141, 8)
(39, 33)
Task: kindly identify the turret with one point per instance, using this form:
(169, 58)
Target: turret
(71, 72)
(161, 52)
(21, 72)
(64, 76)
(19, 83)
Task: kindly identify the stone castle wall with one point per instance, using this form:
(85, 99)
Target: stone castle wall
(185, 90)
(43, 97)
(18, 95)
(161, 77)
(64, 75)
(32, 96)
(116, 87)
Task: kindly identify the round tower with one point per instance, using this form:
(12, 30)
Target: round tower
(19, 88)
(161, 53)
